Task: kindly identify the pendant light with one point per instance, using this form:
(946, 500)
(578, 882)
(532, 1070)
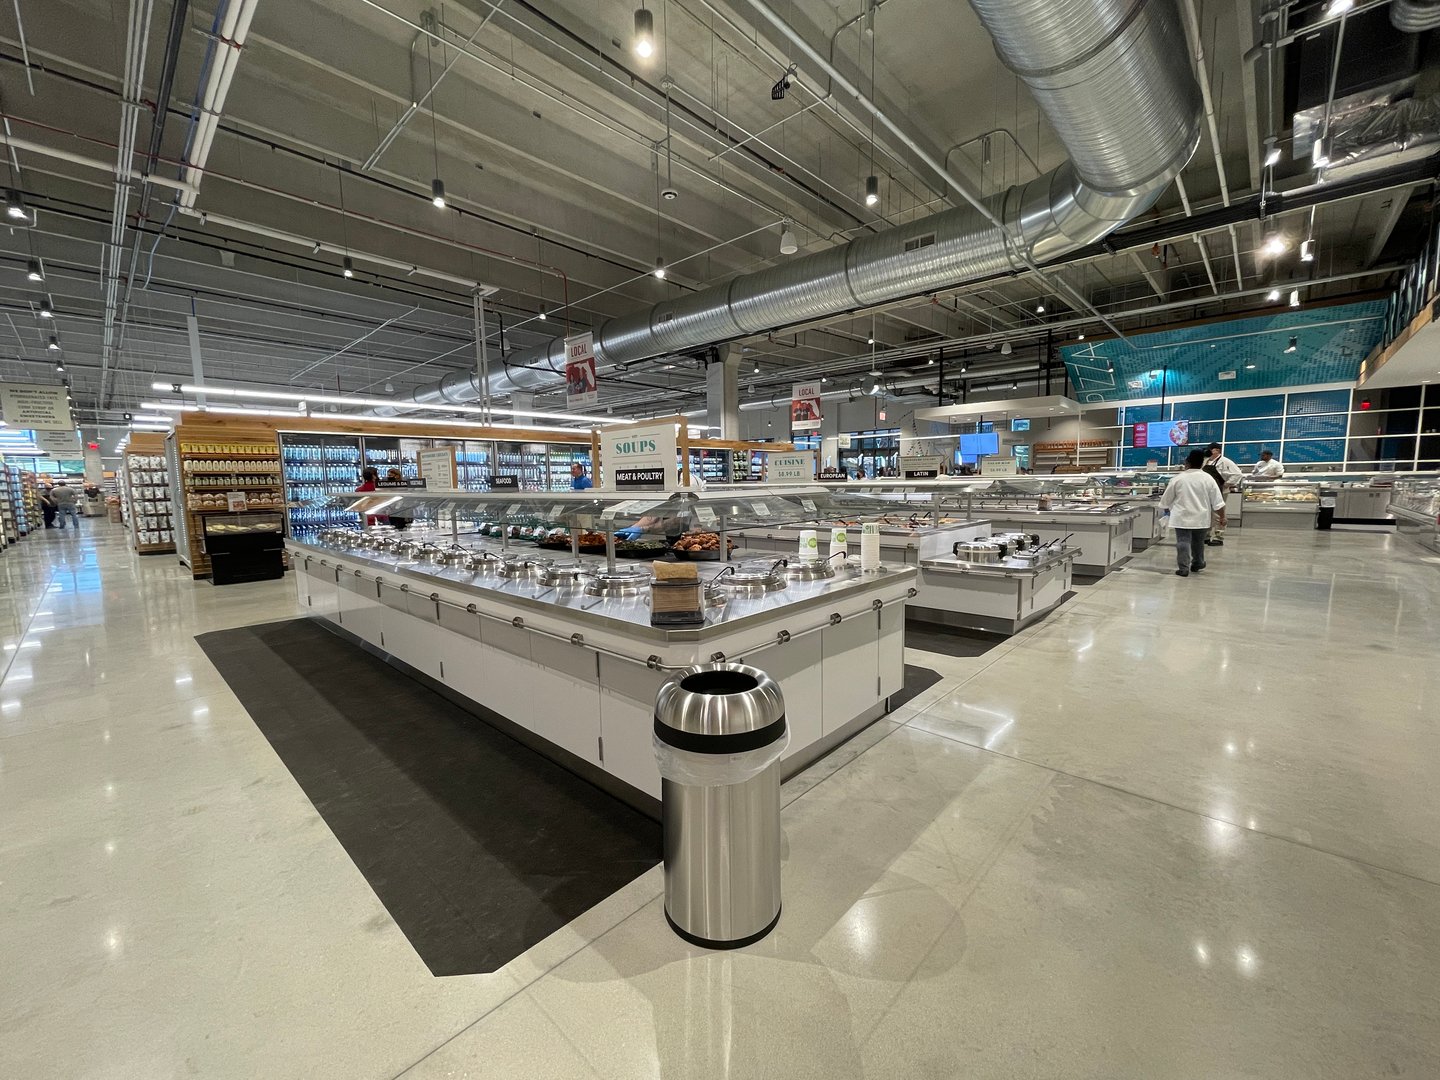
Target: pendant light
(1006, 349)
(47, 309)
(15, 205)
(54, 345)
(437, 186)
(659, 270)
(788, 246)
(347, 267)
(872, 190)
(644, 40)
(437, 193)
(33, 270)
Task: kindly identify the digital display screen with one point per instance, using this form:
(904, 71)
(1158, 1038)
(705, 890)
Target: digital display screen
(1019, 425)
(975, 445)
(1163, 434)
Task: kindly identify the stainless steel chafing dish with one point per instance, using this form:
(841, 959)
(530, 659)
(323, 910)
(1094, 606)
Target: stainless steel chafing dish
(750, 579)
(519, 567)
(560, 575)
(622, 581)
(809, 569)
(431, 555)
(981, 551)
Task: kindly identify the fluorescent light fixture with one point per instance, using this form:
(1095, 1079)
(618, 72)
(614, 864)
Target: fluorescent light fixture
(872, 190)
(354, 402)
(1338, 7)
(1307, 251)
(33, 270)
(347, 267)
(1294, 297)
(659, 270)
(1275, 245)
(149, 427)
(437, 193)
(644, 40)
(1272, 152)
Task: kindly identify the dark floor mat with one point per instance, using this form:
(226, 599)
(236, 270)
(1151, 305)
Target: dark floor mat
(917, 681)
(477, 846)
(950, 642)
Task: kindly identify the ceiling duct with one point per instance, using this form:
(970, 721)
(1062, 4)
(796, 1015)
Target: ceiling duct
(1380, 134)
(1115, 80)
(1415, 16)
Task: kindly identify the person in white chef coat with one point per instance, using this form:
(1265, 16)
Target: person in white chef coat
(1227, 474)
(1194, 503)
(1267, 468)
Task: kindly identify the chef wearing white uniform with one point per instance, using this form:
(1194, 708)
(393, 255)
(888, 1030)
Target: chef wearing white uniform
(1267, 468)
(1229, 475)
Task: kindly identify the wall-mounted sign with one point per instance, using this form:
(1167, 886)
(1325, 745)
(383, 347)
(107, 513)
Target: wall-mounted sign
(647, 455)
(1225, 376)
(505, 483)
(437, 466)
(38, 407)
(582, 387)
(796, 468)
(58, 444)
(805, 407)
(845, 441)
(921, 466)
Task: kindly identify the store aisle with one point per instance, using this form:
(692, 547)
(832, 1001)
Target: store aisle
(1180, 830)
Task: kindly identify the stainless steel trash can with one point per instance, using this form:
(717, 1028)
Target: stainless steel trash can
(719, 734)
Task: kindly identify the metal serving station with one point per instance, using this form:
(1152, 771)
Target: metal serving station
(528, 606)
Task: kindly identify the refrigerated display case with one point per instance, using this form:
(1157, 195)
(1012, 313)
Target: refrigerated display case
(1415, 502)
(317, 465)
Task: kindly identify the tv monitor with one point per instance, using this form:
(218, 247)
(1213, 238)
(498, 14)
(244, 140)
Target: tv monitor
(1017, 424)
(986, 442)
(1162, 435)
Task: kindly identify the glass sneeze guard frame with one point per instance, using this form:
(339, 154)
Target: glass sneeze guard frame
(717, 510)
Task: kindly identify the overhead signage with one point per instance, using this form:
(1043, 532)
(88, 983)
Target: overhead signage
(999, 466)
(38, 407)
(582, 387)
(845, 441)
(645, 454)
(58, 444)
(505, 483)
(921, 466)
(805, 407)
(1019, 424)
(1162, 434)
(796, 468)
(437, 466)
(408, 482)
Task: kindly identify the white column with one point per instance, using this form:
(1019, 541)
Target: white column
(722, 394)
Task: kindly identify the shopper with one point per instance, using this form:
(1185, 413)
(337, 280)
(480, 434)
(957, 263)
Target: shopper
(1267, 468)
(1194, 501)
(368, 477)
(63, 496)
(578, 480)
(394, 476)
(1225, 473)
(47, 506)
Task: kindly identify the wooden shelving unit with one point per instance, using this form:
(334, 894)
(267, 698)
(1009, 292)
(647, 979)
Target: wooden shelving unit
(146, 497)
(212, 462)
(1088, 455)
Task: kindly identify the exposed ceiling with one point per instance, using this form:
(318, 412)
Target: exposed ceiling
(554, 143)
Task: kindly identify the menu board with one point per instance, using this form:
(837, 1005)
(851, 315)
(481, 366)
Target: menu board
(437, 466)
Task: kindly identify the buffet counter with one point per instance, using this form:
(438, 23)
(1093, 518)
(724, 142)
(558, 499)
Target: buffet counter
(907, 544)
(1002, 597)
(575, 675)
(1101, 538)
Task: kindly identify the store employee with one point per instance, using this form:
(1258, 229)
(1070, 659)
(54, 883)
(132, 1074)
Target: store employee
(578, 480)
(1267, 468)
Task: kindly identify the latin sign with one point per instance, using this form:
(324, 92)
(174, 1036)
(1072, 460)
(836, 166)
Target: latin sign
(921, 466)
(796, 468)
(38, 407)
(640, 449)
(582, 389)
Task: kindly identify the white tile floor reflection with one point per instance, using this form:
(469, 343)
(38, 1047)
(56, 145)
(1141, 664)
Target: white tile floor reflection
(1185, 829)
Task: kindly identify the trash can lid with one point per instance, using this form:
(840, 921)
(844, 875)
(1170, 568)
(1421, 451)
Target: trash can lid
(719, 699)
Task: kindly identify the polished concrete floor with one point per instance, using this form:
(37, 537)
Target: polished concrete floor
(1185, 829)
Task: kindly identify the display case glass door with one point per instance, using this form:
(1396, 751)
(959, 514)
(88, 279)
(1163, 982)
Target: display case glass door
(316, 465)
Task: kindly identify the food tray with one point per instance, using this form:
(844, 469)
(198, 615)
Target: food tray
(656, 550)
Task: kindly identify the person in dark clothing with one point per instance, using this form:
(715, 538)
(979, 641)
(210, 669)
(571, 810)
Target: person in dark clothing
(47, 508)
(394, 475)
